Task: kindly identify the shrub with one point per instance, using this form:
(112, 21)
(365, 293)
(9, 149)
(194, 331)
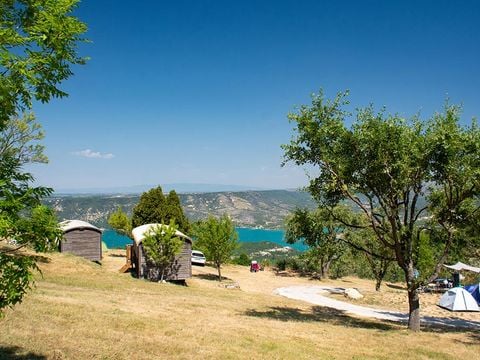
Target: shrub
(242, 259)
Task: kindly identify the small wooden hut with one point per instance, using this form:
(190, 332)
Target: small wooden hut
(180, 269)
(82, 239)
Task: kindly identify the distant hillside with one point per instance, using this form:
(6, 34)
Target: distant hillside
(247, 208)
(180, 188)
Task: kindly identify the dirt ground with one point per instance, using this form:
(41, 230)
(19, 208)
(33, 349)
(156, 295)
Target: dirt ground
(392, 296)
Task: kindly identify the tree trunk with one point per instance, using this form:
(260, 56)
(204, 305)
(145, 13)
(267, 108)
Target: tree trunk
(325, 266)
(219, 273)
(384, 264)
(413, 310)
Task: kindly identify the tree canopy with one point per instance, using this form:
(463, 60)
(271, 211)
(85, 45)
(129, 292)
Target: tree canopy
(38, 47)
(23, 220)
(120, 222)
(161, 246)
(217, 238)
(406, 176)
(154, 207)
(319, 230)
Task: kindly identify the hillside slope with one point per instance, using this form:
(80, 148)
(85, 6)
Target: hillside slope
(247, 208)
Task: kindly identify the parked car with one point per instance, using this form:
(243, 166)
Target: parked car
(198, 258)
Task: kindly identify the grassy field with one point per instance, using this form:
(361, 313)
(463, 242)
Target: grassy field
(81, 310)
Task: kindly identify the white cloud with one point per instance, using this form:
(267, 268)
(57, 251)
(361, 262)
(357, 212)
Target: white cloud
(88, 153)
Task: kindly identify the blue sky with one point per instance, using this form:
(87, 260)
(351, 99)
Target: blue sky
(199, 91)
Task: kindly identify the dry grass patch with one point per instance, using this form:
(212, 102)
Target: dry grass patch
(80, 310)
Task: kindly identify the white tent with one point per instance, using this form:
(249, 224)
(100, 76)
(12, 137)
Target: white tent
(458, 299)
(459, 266)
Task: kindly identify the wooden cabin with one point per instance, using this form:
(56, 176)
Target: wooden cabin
(180, 269)
(82, 239)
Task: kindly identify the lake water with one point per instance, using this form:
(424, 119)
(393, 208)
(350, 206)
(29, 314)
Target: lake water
(114, 240)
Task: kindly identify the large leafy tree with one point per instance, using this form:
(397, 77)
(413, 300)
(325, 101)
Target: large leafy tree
(407, 176)
(38, 47)
(320, 231)
(217, 238)
(154, 207)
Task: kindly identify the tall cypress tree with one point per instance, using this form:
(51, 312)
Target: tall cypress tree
(154, 207)
(150, 208)
(174, 211)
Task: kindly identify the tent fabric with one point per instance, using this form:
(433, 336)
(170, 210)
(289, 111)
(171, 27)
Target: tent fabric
(140, 232)
(68, 225)
(458, 299)
(461, 266)
(474, 290)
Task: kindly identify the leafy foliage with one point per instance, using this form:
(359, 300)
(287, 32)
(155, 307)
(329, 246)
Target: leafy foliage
(242, 259)
(161, 246)
(217, 238)
(19, 139)
(154, 207)
(174, 211)
(379, 258)
(15, 278)
(319, 230)
(38, 43)
(383, 165)
(120, 222)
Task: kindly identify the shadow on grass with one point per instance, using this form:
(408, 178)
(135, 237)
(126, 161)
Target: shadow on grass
(117, 255)
(452, 325)
(319, 314)
(473, 339)
(285, 273)
(211, 277)
(17, 353)
(396, 287)
(339, 317)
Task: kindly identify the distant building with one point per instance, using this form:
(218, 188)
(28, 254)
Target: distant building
(180, 269)
(82, 239)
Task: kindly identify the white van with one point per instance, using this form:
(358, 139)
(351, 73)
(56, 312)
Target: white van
(198, 258)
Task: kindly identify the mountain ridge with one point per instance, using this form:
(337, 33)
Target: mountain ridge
(178, 187)
(266, 208)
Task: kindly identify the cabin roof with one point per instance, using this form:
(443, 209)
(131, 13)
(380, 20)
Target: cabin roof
(69, 225)
(140, 232)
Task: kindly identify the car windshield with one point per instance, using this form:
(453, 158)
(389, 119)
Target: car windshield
(196, 254)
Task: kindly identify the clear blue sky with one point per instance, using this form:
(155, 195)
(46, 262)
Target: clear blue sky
(198, 91)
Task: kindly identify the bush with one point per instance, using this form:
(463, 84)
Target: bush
(265, 263)
(281, 264)
(242, 259)
(304, 264)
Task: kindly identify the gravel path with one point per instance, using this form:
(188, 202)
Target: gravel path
(313, 295)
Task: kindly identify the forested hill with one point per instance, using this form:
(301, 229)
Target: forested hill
(247, 208)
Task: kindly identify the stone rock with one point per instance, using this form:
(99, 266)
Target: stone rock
(352, 293)
(230, 285)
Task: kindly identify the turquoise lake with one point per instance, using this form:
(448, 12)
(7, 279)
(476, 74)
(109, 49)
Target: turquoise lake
(114, 240)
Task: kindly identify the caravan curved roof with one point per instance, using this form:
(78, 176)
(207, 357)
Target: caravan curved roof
(140, 232)
(69, 225)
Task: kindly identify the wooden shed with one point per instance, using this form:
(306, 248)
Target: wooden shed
(180, 269)
(82, 239)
